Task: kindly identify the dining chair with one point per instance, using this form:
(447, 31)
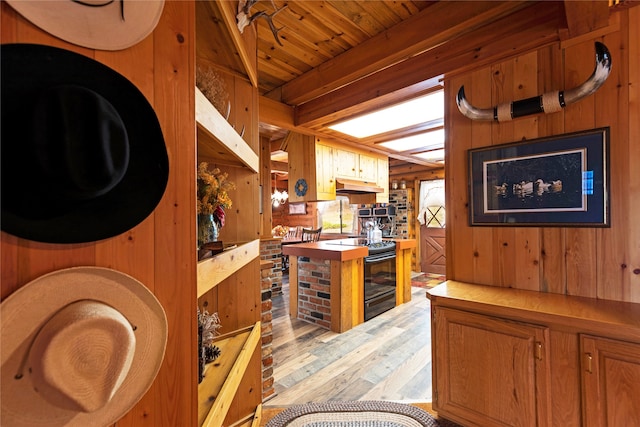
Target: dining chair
(311, 235)
(294, 232)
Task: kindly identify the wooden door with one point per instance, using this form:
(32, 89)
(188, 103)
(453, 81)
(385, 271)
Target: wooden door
(490, 372)
(610, 382)
(432, 250)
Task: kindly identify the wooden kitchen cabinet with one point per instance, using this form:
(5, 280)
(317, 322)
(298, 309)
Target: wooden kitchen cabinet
(495, 369)
(610, 382)
(509, 357)
(346, 163)
(325, 177)
(368, 168)
(316, 163)
(349, 164)
(311, 170)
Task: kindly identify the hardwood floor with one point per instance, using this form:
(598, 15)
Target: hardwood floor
(386, 358)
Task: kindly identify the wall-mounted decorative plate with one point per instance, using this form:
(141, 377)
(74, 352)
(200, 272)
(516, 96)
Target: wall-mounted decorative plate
(301, 187)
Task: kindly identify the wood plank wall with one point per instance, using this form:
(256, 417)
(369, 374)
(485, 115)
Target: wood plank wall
(160, 251)
(592, 262)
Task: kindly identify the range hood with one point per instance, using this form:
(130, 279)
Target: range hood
(352, 186)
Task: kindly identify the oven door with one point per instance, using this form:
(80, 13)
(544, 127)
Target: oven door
(379, 283)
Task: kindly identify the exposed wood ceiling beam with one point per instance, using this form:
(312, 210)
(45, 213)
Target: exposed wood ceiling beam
(280, 167)
(534, 26)
(424, 31)
(585, 16)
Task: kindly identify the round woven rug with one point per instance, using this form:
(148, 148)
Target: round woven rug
(365, 413)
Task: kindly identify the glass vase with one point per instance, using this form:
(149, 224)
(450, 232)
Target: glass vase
(207, 229)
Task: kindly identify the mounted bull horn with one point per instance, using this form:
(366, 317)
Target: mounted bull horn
(549, 102)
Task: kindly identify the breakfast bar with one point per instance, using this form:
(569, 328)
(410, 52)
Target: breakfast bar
(327, 279)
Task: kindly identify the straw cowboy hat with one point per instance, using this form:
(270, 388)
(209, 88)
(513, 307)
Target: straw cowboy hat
(83, 154)
(80, 347)
(97, 24)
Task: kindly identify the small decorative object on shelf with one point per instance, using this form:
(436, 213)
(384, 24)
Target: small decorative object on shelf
(213, 199)
(207, 229)
(208, 325)
(214, 89)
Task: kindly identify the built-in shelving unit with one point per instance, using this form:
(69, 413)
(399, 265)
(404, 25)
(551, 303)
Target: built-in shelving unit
(229, 281)
(222, 377)
(218, 139)
(212, 271)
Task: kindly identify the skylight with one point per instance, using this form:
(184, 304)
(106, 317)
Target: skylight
(409, 113)
(426, 140)
(432, 156)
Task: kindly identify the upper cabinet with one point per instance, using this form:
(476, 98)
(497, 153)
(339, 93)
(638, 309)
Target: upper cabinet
(316, 163)
(311, 176)
(349, 164)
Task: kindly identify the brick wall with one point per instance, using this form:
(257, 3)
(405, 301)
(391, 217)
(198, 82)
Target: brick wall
(314, 291)
(399, 198)
(271, 250)
(270, 284)
(266, 334)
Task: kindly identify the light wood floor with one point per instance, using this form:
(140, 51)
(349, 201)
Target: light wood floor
(386, 358)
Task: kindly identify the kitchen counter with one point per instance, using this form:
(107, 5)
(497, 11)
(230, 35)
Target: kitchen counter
(334, 270)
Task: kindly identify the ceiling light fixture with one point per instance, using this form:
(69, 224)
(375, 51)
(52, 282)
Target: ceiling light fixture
(278, 197)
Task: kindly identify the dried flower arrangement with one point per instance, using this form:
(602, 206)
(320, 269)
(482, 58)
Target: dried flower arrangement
(213, 192)
(208, 325)
(213, 88)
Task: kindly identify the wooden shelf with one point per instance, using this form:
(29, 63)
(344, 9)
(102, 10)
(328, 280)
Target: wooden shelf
(212, 271)
(217, 139)
(222, 377)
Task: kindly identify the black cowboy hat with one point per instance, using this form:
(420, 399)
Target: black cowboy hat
(83, 155)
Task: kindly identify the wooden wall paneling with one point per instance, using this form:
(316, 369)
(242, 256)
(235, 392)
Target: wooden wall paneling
(581, 254)
(504, 89)
(158, 251)
(527, 239)
(266, 217)
(459, 236)
(611, 104)
(581, 261)
(632, 39)
(175, 238)
(565, 379)
(482, 257)
(249, 393)
(552, 239)
(133, 251)
(248, 294)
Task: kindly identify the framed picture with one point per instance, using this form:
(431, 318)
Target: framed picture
(297, 208)
(555, 181)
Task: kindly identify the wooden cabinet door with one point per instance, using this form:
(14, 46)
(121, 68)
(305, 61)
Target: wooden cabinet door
(367, 168)
(346, 163)
(490, 371)
(610, 382)
(325, 178)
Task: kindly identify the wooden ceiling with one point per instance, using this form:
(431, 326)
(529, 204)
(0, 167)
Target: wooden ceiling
(337, 59)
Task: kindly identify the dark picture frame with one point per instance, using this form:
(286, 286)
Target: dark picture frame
(560, 181)
(297, 208)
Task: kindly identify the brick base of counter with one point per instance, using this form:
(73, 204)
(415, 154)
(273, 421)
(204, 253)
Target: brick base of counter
(314, 291)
